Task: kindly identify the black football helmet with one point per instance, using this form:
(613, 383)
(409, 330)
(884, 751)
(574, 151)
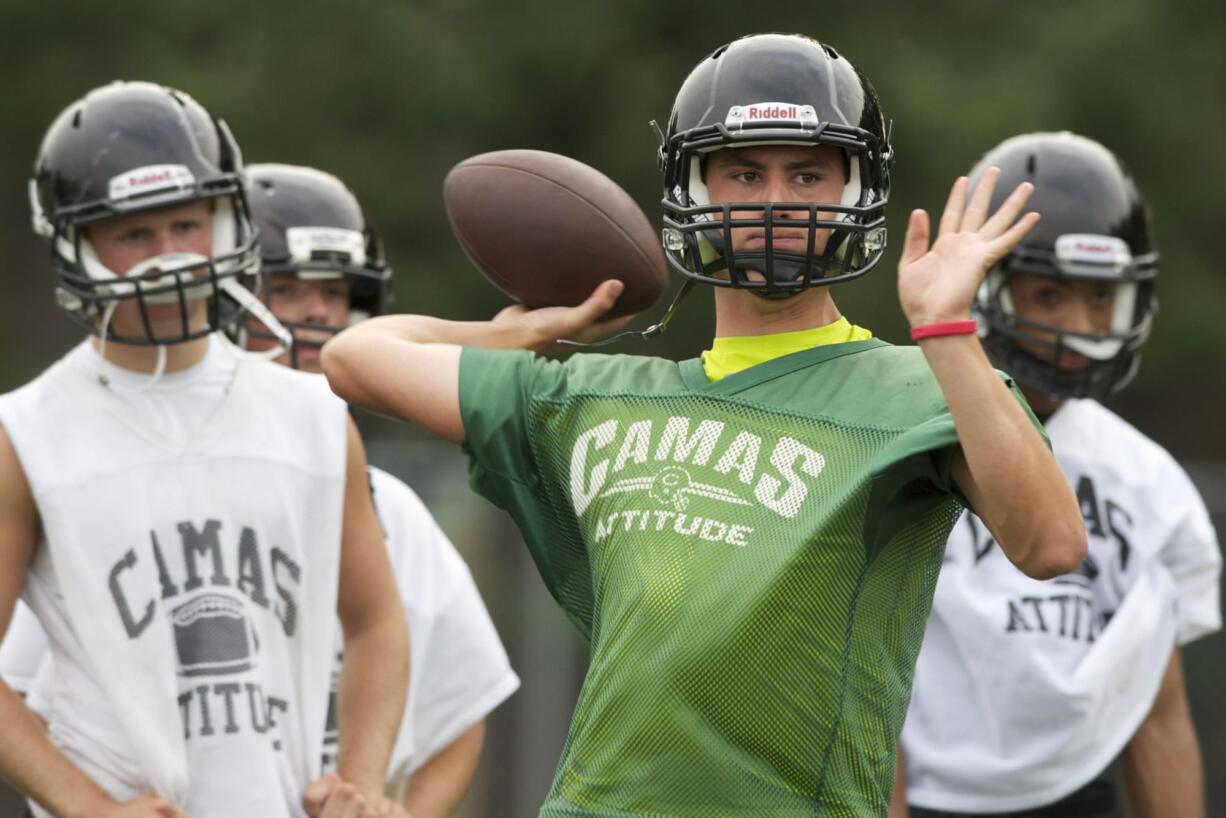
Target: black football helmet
(130, 147)
(311, 225)
(775, 89)
(1095, 226)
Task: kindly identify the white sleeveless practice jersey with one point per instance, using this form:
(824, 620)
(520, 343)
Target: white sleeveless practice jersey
(1025, 690)
(187, 578)
(459, 669)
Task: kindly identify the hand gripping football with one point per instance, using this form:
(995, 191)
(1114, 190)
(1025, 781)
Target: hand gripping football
(546, 230)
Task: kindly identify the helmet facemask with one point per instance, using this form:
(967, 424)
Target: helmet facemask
(698, 233)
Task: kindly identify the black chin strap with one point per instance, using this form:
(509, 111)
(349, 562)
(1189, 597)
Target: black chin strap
(651, 332)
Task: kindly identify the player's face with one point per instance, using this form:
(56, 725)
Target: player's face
(123, 242)
(1070, 305)
(322, 303)
(803, 174)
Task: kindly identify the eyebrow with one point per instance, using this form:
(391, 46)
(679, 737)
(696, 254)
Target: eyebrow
(799, 164)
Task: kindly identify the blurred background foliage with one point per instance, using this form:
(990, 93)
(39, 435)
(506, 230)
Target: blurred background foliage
(389, 95)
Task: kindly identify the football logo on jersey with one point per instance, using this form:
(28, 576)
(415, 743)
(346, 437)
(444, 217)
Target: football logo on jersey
(213, 636)
(215, 591)
(672, 487)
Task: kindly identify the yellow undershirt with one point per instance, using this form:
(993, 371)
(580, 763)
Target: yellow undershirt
(727, 356)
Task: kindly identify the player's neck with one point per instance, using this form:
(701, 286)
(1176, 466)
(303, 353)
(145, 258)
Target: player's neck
(740, 313)
(145, 358)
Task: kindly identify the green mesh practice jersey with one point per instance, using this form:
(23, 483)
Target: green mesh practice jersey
(752, 560)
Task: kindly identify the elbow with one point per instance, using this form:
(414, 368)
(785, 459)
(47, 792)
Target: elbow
(1056, 551)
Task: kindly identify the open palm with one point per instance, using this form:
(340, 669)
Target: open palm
(938, 283)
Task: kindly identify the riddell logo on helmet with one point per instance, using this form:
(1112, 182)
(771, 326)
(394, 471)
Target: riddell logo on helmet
(771, 112)
(1088, 248)
(740, 116)
(150, 178)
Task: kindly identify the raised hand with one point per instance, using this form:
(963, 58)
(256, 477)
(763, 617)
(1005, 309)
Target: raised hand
(938, 284)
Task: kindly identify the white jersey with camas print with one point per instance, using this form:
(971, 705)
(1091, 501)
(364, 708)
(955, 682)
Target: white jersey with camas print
(1026, 690)
(460, 671)
(187, 576)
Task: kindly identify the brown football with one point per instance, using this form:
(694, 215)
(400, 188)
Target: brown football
(547, 229)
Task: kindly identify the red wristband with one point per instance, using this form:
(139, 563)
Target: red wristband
(966, 327)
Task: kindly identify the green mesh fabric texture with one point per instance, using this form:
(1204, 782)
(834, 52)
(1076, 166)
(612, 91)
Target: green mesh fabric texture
(753, 573)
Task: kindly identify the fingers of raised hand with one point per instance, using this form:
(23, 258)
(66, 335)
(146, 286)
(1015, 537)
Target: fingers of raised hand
(1004, 243)
(951, 217)
(981, 198)
(915, 245)
(1008, 211)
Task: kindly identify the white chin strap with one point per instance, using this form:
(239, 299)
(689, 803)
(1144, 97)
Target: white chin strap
(239, 293)
(258, 310)
(158, 370)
